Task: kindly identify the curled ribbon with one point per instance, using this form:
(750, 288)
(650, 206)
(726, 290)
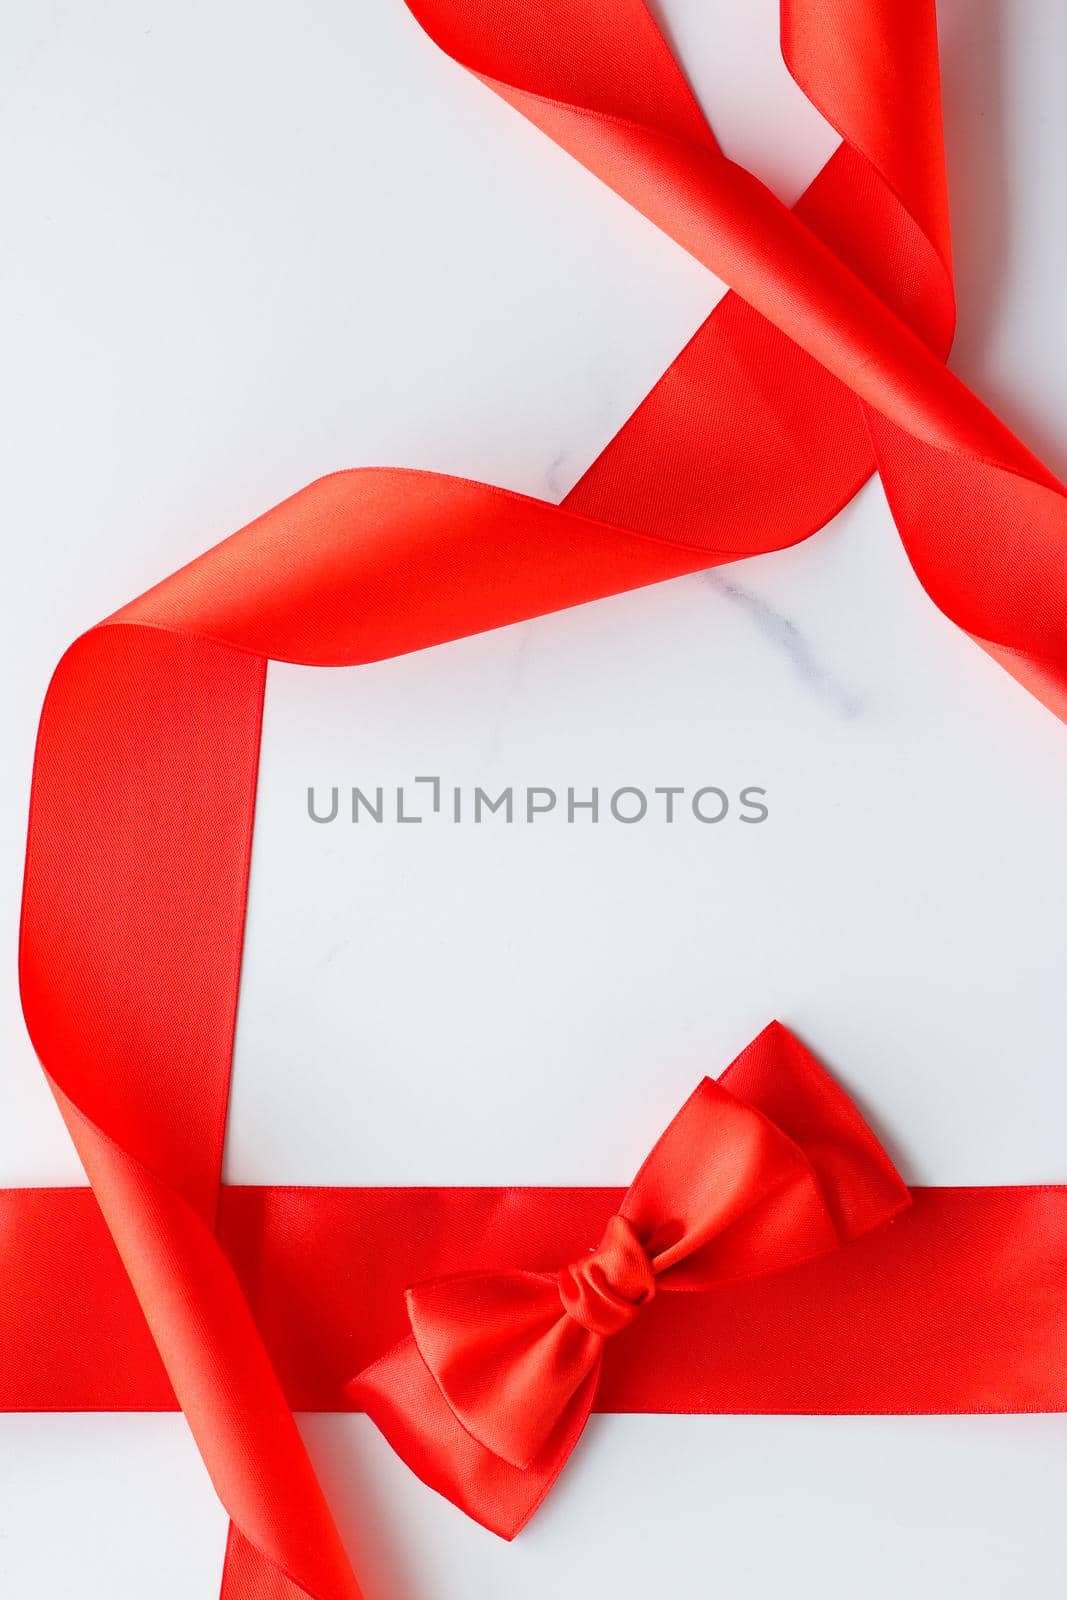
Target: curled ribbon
(827, 360)
(487, 1397)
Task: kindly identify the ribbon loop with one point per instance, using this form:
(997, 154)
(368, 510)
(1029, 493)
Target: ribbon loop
(606, 1289)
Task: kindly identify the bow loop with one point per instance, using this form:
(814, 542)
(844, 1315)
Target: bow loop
(504, 1354)
(726, 1193)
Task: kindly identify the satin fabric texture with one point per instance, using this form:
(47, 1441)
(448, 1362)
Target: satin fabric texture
(770, 1167)
(826, 361)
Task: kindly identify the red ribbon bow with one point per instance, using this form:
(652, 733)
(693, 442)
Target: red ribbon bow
(488, 1396)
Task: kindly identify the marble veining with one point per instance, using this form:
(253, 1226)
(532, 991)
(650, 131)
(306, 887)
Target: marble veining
(783, 633)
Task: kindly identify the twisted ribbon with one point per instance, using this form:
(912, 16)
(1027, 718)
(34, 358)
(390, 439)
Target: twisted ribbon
(826, 360)
(487, 1397)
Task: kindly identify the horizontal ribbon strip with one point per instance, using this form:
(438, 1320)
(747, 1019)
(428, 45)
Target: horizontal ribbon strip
(958, 1306)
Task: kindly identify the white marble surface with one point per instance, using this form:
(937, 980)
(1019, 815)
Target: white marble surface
(253, 244)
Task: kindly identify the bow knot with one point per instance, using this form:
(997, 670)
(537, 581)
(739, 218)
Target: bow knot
(605, 1290)
(767, 1168)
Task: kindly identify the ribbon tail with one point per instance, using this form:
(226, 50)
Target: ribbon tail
(400, 1395)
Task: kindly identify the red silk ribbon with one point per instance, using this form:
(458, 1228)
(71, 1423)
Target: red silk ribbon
(960, 1305)
(487, 1397)
(825, 361)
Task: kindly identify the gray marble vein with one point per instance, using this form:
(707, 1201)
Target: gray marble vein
(784, 634)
